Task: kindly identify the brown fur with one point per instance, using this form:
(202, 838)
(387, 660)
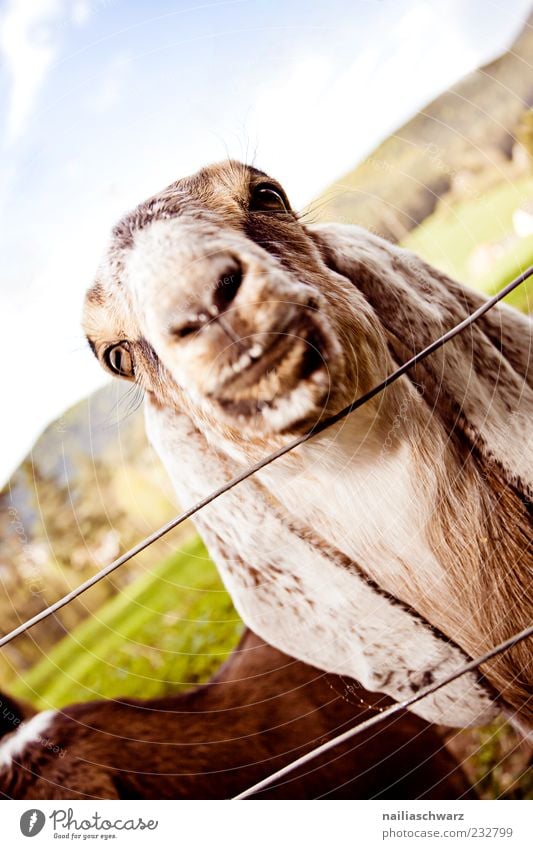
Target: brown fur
(479, 527)
(260, 712)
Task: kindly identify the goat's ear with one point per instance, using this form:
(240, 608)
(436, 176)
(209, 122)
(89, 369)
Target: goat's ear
(478, 377)
(345, 249)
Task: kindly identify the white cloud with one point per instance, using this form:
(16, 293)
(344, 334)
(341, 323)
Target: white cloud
(81, 12)
(317, 112)
(113, 80)
(29, 43)
(50, 366)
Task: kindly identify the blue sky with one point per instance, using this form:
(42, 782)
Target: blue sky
(106, 101)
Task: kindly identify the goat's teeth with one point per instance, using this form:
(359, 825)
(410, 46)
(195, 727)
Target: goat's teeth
(242, 363)
(255, 351)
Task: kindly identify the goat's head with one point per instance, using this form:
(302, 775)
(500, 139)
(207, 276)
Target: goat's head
(214, 296)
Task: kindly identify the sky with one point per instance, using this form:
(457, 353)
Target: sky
(104, 102)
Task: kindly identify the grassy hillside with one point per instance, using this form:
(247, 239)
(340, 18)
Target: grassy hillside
(90, 488)
(474, 241)
(167, 630)
(462, 141)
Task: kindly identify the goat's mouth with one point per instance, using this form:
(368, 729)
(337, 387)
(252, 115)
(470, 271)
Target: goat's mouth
(272, 370)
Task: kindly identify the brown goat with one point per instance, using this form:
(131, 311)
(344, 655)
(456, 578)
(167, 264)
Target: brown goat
(261, 711)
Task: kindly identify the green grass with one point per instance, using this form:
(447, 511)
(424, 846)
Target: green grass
(167, 630)
(506, 269)
(447, 238)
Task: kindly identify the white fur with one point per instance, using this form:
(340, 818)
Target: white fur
(322, 614)
(28, 732)
(373, 509)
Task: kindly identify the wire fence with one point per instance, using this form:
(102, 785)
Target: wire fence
(319, 428)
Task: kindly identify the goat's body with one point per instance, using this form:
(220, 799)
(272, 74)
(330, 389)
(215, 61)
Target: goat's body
(435, 528)
(408, 506)
(263, 710)
(296, 589)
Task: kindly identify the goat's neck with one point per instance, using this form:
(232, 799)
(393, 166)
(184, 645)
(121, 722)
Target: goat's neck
(372, 486)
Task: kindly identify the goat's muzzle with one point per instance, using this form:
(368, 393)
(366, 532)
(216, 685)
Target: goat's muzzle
(237, 332)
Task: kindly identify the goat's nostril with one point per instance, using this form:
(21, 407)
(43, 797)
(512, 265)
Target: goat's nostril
(181, 331)
(227, 287)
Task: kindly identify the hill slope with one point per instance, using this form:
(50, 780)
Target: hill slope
(468, 131)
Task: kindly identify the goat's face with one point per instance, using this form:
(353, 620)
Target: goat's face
(213, 295)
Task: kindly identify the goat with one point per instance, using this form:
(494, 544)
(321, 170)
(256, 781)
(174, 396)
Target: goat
(395, 545)
(262, 710)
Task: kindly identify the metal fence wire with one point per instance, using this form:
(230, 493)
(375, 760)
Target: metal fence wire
(251, 470)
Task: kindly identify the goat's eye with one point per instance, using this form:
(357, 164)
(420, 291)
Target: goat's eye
(267, 198)
(118, 358)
